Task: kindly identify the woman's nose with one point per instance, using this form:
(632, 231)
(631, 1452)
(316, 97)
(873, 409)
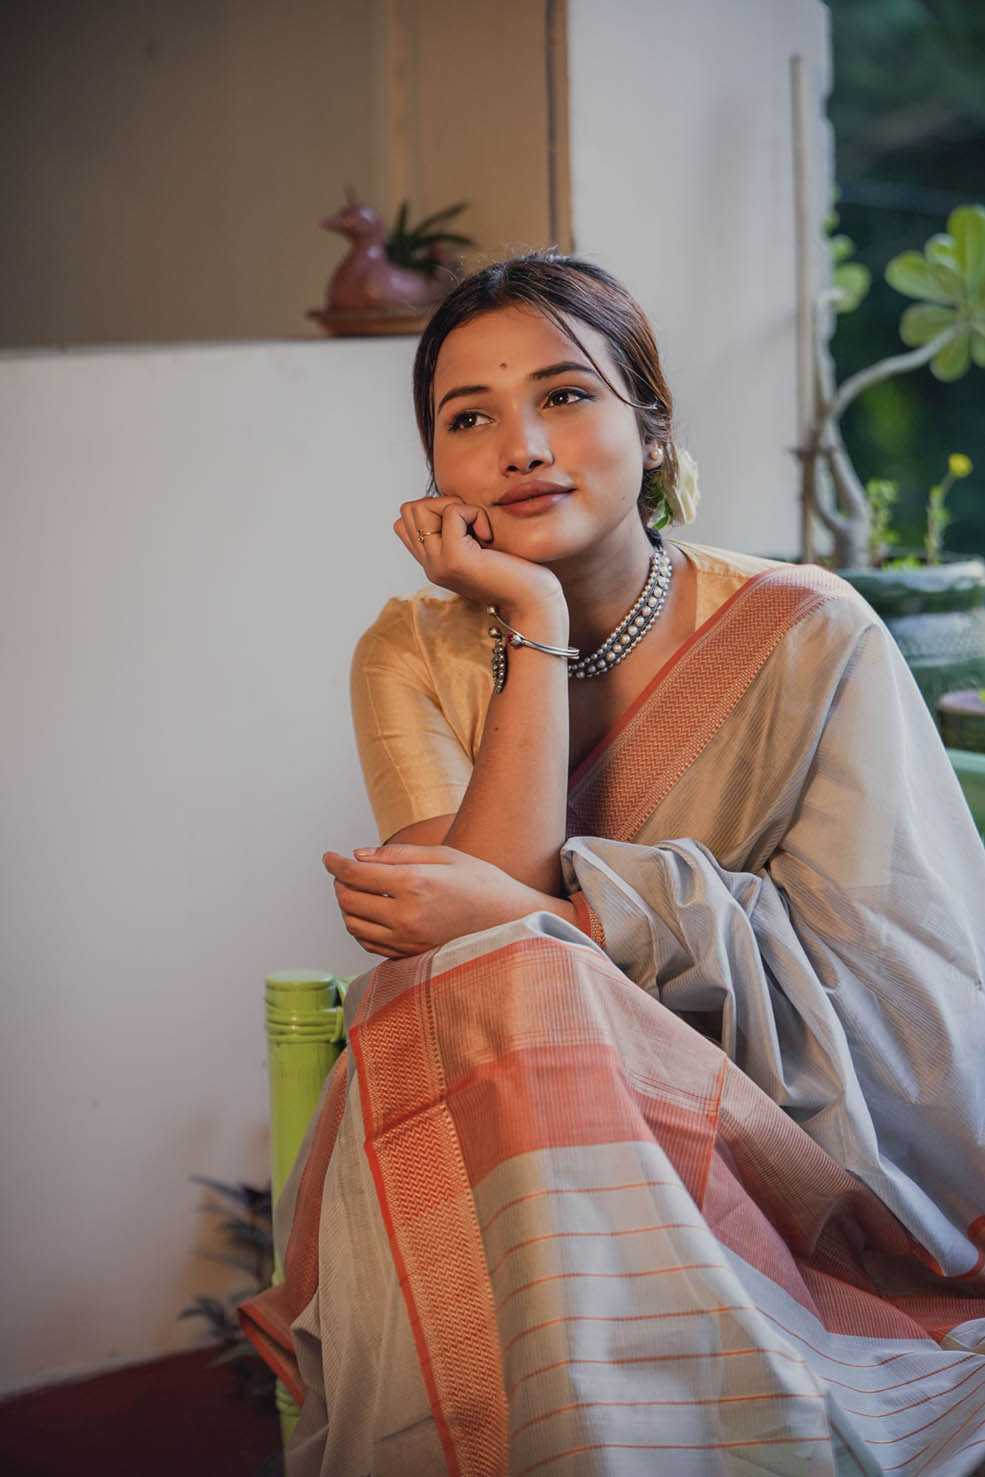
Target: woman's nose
(524, 446)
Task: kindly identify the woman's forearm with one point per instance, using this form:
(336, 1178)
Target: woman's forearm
(514, 811)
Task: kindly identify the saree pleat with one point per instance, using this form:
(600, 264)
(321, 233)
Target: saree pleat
(710, 1199)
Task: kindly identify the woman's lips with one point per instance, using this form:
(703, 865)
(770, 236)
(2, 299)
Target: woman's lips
(537, 502)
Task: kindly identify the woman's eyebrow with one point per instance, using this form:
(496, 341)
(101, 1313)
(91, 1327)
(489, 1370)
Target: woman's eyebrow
(567, 365)
(463, 390)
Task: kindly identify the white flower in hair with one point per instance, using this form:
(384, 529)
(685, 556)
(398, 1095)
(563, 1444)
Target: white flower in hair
(684, 496)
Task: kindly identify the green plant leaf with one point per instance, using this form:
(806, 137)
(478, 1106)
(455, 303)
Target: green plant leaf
(440, 215)
(228, 1260)
(399, 252)
(951, 362)
(443, 236)
(940, 254)
(841, 247)
(942, 248)
(206, 1307)
(978, 344)
(923, 321)
(241, 1294)
(967, 226)
(253, 1198)
(246, 1231)
(852, 281)
(911, 275)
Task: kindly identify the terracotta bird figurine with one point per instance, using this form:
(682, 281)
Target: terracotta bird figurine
(366, 278)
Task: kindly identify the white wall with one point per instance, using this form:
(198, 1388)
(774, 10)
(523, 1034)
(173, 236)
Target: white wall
(682, 185)
(192, 540)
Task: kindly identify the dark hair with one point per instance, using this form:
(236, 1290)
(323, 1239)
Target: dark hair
(564, 287)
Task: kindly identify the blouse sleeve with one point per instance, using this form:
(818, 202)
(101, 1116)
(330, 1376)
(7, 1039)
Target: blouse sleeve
(414, 764)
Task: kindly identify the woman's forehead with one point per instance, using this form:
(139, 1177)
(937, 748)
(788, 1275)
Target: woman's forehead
(512, 341)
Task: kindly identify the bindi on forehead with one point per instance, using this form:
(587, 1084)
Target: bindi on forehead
(504, 366)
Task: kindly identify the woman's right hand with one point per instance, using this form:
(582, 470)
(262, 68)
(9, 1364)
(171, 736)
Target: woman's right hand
(455, 553)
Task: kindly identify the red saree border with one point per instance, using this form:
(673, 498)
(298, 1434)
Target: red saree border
(593, 756)
(266, 1322)
(587, 919)
(426, 1202)
(665, 729)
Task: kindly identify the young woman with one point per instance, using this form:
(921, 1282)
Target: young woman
(658, 1143)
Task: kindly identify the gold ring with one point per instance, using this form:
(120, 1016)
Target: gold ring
(430, 534)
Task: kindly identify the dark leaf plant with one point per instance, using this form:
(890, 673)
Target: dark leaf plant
(423, 246)
(247, 1227)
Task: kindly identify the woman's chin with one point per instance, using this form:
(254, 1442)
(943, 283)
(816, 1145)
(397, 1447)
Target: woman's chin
(544, 548)
(551, 540)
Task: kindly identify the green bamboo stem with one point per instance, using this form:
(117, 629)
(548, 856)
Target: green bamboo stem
(303, 1011)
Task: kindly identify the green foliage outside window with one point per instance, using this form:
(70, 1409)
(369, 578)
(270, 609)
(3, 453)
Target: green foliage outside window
(908, 109)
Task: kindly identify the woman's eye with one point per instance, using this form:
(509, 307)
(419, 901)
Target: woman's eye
(567, 396)
(466, 420)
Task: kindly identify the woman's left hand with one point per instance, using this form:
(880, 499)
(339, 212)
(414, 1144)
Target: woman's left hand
(401, 900)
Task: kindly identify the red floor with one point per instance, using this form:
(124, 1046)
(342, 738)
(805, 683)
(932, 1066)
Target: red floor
(173, 1418)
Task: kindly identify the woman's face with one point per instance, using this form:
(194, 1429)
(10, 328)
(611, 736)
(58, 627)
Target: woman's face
(525, 428)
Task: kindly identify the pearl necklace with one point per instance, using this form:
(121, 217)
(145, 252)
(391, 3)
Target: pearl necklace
(634, 625)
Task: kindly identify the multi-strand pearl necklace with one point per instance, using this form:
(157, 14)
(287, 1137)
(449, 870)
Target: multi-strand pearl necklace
(634, 625)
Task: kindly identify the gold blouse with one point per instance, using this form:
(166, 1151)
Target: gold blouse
(421, 684)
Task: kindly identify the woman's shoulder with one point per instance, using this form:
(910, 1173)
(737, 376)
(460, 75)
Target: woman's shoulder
(424, 625)
(723, 572)
(725, 563)
(719, 575)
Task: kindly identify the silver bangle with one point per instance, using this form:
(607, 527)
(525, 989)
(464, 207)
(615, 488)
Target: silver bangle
(516, 638)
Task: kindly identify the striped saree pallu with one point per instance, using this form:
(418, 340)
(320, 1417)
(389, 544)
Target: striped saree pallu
(681, 1196)
(617, 1254)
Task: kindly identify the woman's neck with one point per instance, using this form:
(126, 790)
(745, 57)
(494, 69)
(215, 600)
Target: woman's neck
(602, 588)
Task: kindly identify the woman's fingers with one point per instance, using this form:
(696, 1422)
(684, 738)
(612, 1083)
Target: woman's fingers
(460, 520)
(381, 900)
(453, 542)
(372, 898)
(367, 933)
(433, 529)
(393, 869)
(401, 854)
(417, 518)
(366, 918)
(426, 514)
(371, 907)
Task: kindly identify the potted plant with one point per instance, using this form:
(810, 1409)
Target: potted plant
(934, 606)
(425, 246)
(389, 282)
(248, 1233)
